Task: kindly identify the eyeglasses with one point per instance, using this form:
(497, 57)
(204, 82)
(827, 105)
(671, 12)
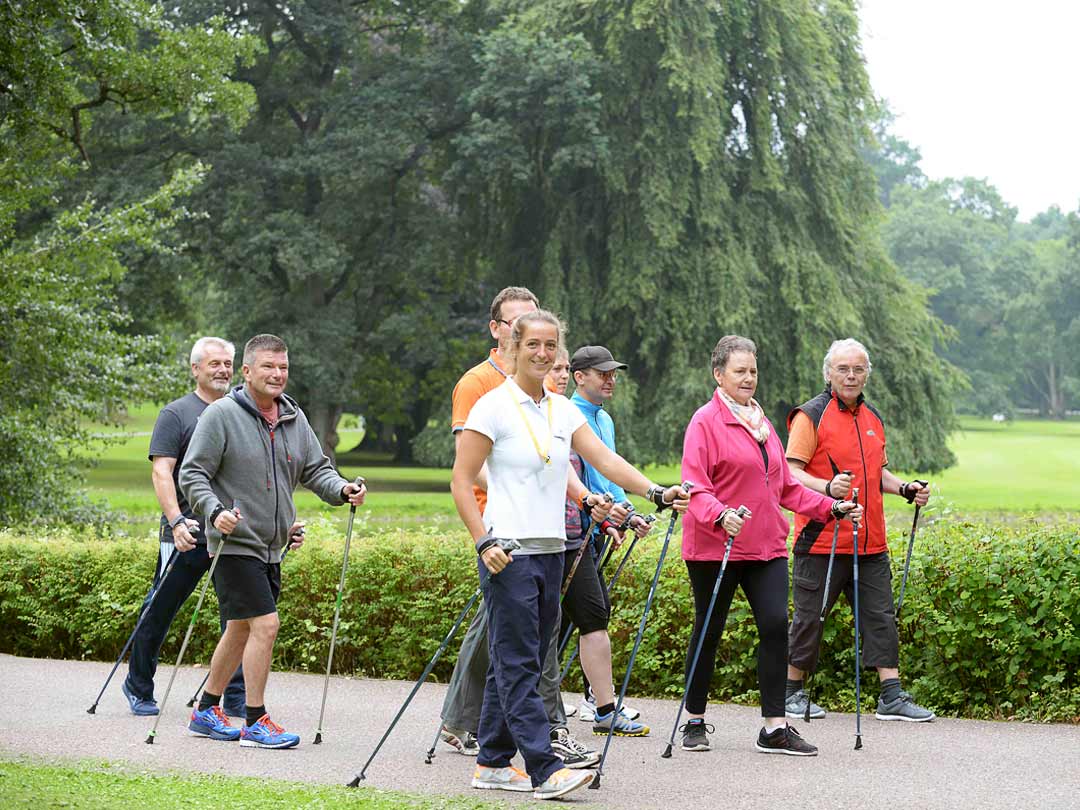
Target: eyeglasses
(844, 371)
(607, 376)
(509, 324)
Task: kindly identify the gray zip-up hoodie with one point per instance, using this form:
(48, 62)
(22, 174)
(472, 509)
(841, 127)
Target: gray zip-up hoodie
(235, 459)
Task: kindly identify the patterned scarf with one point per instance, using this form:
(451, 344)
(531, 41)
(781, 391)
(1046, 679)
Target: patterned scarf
(750, 417)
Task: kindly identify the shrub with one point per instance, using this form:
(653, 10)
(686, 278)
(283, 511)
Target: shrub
(988, 630)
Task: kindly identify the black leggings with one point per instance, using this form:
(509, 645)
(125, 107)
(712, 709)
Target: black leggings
(766, 587)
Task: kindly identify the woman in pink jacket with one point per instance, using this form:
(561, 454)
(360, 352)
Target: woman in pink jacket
(734, 457)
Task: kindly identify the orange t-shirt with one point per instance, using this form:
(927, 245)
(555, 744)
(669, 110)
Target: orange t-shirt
(474, 383)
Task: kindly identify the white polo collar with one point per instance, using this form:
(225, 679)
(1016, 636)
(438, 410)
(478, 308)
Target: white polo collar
(519, 394)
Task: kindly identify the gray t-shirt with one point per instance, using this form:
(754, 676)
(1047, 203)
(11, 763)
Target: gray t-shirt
(172, 432)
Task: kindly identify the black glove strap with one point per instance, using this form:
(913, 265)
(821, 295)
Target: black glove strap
(215, 513)
(484, 543)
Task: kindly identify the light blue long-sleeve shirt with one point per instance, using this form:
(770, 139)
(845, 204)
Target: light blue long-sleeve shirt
(602, 425)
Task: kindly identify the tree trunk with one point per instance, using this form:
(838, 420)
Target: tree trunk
(1055, 395)
(324, 418)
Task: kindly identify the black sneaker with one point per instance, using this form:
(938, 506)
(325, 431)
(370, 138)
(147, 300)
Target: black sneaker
(574, 754)
(785, 740)
(695, 735)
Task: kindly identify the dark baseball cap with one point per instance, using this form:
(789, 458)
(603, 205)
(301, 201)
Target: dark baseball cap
(594, 357)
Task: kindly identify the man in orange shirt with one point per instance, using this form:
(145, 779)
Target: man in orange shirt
(464, 698)
(837, 442)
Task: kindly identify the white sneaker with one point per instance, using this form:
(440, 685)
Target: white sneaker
(562, 782)
(569, 709)
(586, 712)
(510, 778)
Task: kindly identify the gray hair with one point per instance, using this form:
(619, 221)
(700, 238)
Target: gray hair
(727, 346)
(263, 343)
(843, 345)
(198, 351)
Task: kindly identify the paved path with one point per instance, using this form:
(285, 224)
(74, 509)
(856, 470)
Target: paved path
(944, 764)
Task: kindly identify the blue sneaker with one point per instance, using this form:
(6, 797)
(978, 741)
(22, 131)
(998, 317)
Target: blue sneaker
(212, 723)
(267, 734)
(140, 707)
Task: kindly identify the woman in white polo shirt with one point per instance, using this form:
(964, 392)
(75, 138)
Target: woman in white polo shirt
(525, 433)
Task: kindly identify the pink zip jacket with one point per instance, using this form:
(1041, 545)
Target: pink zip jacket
(727, 467)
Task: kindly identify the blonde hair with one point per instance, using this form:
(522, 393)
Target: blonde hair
(517, 333)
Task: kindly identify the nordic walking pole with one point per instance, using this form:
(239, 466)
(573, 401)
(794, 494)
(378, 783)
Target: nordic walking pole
(581, 552)
(742, 511)
(858, 657)
(187, 636)
(595, 784)
(127, 645)
(832, 559)
(337, 612)
(607, 590)
(907, 557)
(206, 677)
(507, 546)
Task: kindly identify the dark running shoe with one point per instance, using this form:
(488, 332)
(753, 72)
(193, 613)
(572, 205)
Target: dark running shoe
(903, 708)
(574, 754)
(785, 740)
(140, 707)
(695, 735)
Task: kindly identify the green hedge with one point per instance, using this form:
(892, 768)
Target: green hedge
(989, 625)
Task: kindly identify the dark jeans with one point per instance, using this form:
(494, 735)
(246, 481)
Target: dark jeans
(522, 604)
(766, 587)
(182, 580)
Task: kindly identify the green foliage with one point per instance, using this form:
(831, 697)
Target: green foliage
(65, 356)
(1008, 292)
(989, 624)
(734, 198)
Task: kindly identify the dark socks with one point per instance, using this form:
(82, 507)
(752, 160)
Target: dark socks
(890, 690)
(207, 700)
(607, 708)
(254, 713)
(793, 687)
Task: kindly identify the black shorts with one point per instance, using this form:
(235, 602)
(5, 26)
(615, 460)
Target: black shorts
(877, 623)
(246, 587)
(586, 603)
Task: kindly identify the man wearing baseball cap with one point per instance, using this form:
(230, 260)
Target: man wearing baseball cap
(595, 374)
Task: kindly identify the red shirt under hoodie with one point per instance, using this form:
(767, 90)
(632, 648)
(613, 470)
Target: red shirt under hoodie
(729, 468)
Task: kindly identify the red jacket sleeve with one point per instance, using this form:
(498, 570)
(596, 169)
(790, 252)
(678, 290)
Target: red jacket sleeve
(699, 458)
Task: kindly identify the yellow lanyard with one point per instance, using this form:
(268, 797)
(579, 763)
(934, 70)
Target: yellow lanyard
(543, 452)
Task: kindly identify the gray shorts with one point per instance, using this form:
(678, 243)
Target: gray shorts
(877, 623)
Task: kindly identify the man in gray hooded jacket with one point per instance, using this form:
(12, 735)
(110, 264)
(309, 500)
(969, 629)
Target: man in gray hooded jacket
(249, 451)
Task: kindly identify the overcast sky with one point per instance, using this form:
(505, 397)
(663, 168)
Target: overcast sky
(986, 89)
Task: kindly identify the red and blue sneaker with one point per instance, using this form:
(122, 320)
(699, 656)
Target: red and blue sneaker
(212, 723)
(267, 734)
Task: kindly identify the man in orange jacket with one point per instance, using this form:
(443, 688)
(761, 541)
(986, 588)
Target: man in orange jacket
(836, 442)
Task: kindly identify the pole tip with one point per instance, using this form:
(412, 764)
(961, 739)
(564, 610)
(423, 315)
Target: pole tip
(92, 709)
(858, 742)
(318, 738)
(355, 782)
(667, 752)
(595, 783)
(191, 703)
(429, 757)
(150, 738)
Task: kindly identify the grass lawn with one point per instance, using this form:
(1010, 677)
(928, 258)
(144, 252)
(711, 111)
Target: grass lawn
(102, 786)
(1020, 467)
